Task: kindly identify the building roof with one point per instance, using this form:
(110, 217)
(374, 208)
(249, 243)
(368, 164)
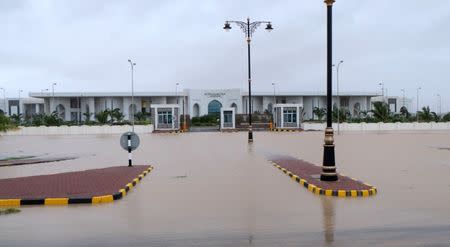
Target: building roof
(186, 92)
(102, 94)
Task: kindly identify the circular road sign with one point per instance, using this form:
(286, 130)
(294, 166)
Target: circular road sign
(134, 138)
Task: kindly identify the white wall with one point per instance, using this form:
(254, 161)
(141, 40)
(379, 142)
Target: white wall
(379, 126)
(78, 130)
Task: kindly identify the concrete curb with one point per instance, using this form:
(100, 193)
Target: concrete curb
(168, 131)
(320, 191)
(64, 200)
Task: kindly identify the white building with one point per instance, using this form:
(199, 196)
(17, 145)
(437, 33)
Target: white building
(25, 106)
(194, 102)
(395, 103)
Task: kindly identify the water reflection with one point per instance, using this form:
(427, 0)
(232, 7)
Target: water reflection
(328, 211)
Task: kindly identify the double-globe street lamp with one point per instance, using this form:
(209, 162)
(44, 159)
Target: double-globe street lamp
(329, 165)
(249, 28)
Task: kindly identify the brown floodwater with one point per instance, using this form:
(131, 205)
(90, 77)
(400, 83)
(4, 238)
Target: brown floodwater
(213, 189)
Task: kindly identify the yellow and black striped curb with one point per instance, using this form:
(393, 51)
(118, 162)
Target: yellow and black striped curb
(169, 131)
(320, 191)
(286, 130)
(64, 200)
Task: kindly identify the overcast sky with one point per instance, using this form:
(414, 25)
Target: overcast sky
(84, 45)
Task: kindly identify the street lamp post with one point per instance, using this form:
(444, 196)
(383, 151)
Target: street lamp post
(274, 97)
(4, 100)
(439, 104)
(132, 64)
(53, 97)
(337, 94)
(382, 88)
(403, 95)
(18, 105)
(176, 91)
(417, 113)
(249, 28)
(328, 166)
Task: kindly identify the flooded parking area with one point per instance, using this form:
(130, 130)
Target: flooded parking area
(214, 189)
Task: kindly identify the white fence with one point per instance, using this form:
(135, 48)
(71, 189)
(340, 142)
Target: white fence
(78, 130)
(380, 126)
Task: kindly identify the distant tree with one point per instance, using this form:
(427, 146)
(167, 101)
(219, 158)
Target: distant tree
(116, 115)
(426, 115)
(404, 112)
(87, 117)
(16, 118)
(5, 122)
(38, 119)
(52, 119)
(381, 112)
(344, 114)
(140, 116)
(446, 117)
(102, 117)
(320, 113)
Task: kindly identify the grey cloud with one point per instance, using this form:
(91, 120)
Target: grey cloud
(84, 45)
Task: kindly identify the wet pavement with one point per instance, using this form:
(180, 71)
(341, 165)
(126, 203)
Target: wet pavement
(213, 189)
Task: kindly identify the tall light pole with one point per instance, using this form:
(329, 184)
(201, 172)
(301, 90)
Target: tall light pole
(382, 89)
(132, 94)
(4, 100)
(403, 95)
(53, 97)
(18, 106)
(417, 112)
(329, 165)
(274, 97)
(249, 28)
(176, 91)
(337, 94)
(439, 103)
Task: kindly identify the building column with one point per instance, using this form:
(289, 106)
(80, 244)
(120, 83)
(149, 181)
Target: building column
(298, 118)
(156, 118)
(173, 114)
(282, 116)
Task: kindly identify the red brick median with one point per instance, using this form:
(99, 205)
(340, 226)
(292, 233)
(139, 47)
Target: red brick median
(82, 184)
(309, 172)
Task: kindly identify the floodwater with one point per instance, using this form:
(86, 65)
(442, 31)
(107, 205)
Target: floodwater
(213, 189)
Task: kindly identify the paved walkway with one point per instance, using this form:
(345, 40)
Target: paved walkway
(310, 173)
(82, 184)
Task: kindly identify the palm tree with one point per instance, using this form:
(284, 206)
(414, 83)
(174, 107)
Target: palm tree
(320, 113)
(102, 117)
(381, 112)
(426, 114)
(116, 115)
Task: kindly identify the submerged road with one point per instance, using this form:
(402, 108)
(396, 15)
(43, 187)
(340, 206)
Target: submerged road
(213, 189)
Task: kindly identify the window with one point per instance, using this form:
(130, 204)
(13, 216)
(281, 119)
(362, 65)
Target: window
(165, 117)
(74, 103)
(344, 102)
(227, 116)
(290, 115)
(214, 107)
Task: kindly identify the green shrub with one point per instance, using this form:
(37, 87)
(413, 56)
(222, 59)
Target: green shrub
(5, 123)
(102, 117)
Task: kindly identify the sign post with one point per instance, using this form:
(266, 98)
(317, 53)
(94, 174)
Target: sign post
(130, 142)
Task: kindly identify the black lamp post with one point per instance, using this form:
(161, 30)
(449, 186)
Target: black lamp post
(249, 28)
(328, 166)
